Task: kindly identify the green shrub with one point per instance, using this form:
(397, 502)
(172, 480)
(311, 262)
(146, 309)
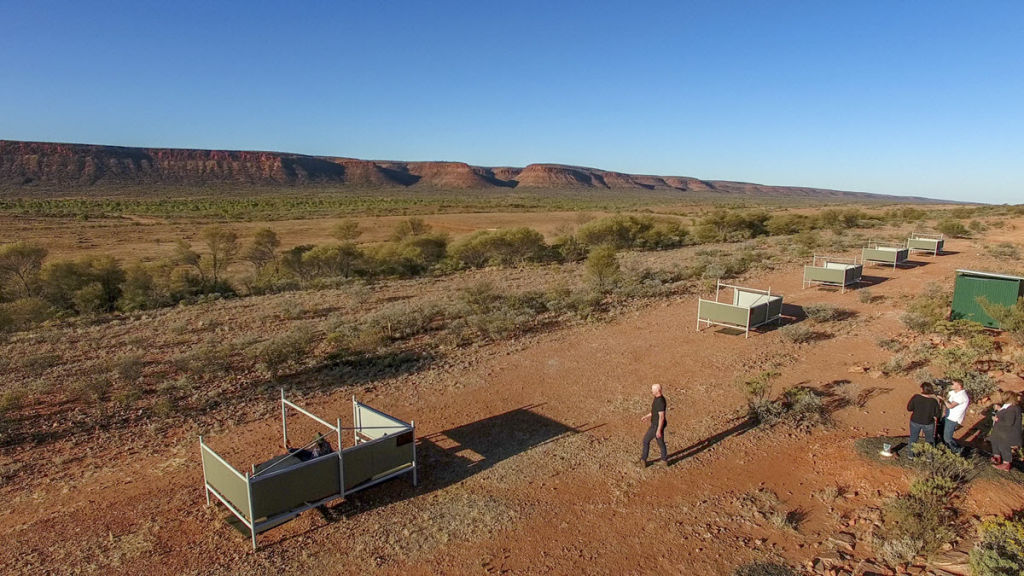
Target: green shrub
(128, 367)
(1010, 318)
(798, 333)
(865, 296)
(23, 313)
(953, 228)
(825, 312)
(506, 247)
(939, 462)
(1000, 548)
(602, 267)
(913, 525)
(760, 407)
(804, 409)
(723, 225)
(88, 285)
(629, 231)
(1004, 251)
(926, 310)
(282, 351)
(935, 488)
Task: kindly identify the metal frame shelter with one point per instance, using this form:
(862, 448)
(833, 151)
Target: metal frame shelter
(283, 487)
(832, 271)
(750, 308)
(885, 254)
(926, 243)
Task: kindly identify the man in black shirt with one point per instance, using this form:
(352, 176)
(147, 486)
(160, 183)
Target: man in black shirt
(925, 412)
(657, 427)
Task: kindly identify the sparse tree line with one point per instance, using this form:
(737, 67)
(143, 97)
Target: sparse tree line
(34, 288)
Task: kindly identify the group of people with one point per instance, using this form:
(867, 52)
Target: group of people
(927, 410)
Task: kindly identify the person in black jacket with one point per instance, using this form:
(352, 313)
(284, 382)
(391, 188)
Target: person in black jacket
(925, 412)
(1006, 429)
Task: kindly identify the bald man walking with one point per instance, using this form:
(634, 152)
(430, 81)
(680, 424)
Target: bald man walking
(657, 427)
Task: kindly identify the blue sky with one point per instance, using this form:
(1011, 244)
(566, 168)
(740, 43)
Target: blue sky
(908, 97)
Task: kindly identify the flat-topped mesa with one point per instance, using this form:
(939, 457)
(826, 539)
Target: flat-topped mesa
(557, 176)
(28, 168)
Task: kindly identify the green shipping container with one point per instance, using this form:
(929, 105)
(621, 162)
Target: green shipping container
(972, 286)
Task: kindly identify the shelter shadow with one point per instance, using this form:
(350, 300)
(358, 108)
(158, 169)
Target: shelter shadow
(448, 457)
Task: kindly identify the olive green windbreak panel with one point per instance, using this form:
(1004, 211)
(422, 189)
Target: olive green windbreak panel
(311, 482)
(970, 289)
(929, 244)
(722, 313)
(366, 462)
(854, 273)
(830, 275)
(226, 482)
(758, 314)
(376, 425)
(876, 255)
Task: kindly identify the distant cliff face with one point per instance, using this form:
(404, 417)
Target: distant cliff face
(82, 168)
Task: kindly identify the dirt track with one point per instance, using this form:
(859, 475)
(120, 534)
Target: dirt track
(528, 456)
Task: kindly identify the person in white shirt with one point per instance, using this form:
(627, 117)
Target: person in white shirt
(957, 402)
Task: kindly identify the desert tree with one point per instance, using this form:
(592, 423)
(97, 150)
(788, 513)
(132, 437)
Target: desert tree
(263, 249)
(346, 230)
(19, 268)
(223, 246)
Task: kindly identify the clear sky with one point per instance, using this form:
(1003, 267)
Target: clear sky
(896, 97)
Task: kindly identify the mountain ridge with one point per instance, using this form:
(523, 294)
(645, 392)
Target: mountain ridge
(28, 166)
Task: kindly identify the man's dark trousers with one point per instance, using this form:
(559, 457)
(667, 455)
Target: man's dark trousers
(652, 434)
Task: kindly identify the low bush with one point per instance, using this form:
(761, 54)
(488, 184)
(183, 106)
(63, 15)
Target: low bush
(1000, 548)
(804, 409)
(630, 231)
(798, 333)
(825, 312)
(939, 462)
(602, 268)
(953, 228)
(23, 313)
(1010, 318)
(913, 525)
(128, 367)
(282, 351)
(506, 247)
(1004, 251)
(926, 310)
(865, 296)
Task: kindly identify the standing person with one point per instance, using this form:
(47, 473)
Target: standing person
(656, 430)
(1006, 432)
(925, 411)
(957, 402)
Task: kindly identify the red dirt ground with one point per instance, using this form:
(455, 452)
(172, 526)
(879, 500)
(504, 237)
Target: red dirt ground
(553, 489)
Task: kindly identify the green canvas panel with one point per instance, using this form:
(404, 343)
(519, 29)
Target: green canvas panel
(969, 288)
(758, 314)
(853, 274)
(723, 313)
(929, 244)
(890, 256)
(278, 493)
(366, 462)
(375, 423)
(226, 482)
(830, 275)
